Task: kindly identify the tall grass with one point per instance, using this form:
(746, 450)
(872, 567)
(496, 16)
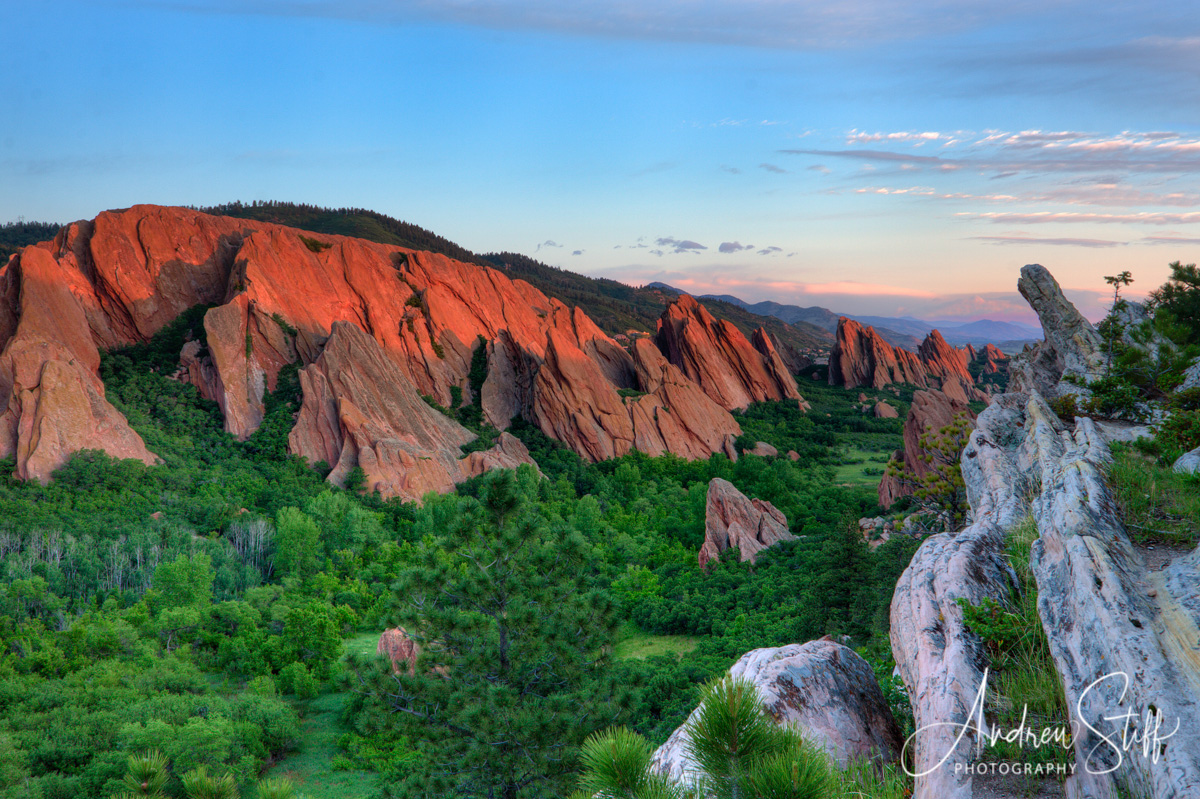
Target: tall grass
(1023, 682)
(1156, 504)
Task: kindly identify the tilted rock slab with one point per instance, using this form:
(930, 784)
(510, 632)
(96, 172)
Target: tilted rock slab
(931, 410)
(1123, 639)
(720, 359)
(1106, 617)
(861, 357)
(1072, 348)
(939, 659)
(822, 689)
(731, 519)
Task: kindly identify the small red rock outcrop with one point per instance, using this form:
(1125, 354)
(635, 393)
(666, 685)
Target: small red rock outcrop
(401, 650)
(931, 410)
(718, 357)
(884, 411)
(731, 519)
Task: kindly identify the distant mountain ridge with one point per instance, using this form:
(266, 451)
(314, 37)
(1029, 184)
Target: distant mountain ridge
(902, 331)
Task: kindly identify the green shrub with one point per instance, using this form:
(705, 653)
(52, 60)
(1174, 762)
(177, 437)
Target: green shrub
(315, 245)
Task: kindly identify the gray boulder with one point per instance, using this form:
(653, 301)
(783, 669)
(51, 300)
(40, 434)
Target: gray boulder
(1191, 378)
(1188, 463)
(821, 688)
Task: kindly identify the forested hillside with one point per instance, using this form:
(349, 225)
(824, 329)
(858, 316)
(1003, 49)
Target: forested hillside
(204, 607)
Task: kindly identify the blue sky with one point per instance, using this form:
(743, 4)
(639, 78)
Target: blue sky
(870, 156)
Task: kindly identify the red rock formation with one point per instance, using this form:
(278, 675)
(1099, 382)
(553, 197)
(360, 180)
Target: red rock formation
(931, 410)
(884, 411)
(280, 295)
(401, 650)
(716, 355)
(731, 519)
(860, 357)
(941, 360)
(676, 415)
(993, 359)
(763, 450)
(361, 410)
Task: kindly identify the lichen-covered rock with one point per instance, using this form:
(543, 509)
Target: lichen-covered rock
(822, 689)
(940, 660)
(1191, 377)
(731, 519)
(1123, 639)
(1188, 462)
(1072, 349)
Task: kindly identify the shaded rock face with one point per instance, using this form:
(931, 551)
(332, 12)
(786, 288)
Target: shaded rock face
(731, 519)
(931, 410)
(794, 361)
(401, 650)
(821, 688)
(715, 355)
(278, 295)
(1072, 348)
(861, 357)
(360, 410)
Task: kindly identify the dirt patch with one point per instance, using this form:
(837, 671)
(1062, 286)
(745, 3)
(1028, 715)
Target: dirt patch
(1159, 556)
(1009, 786)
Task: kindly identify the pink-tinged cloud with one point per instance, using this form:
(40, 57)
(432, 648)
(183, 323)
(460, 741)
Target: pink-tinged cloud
(1042, 217)
(1168, 240)
(853, 288)
(1094, 243)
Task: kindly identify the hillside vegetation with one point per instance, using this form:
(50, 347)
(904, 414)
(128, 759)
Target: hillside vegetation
(202, 607)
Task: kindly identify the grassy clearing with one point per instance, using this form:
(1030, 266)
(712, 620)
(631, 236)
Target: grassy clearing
(861, 467)
(632, 644)
(1157, 505)
(1023, 675)
(311, 768)
(314, 767)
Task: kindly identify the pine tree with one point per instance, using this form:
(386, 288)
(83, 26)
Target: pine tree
(514, 644)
